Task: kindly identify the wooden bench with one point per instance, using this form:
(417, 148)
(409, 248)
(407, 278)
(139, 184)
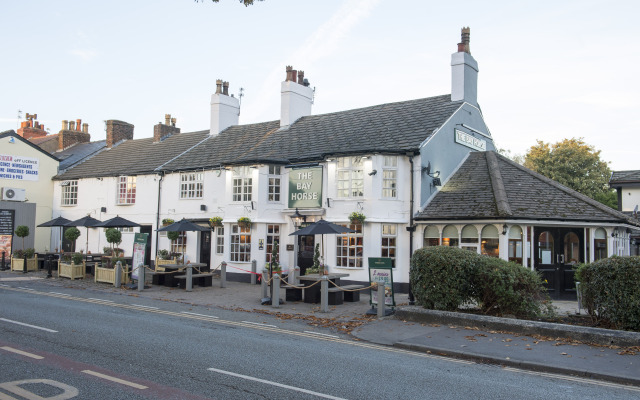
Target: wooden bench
(336, 296)
(196, 279)
(352, 296)
(293, 293)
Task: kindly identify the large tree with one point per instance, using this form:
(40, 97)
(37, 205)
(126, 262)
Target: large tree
(575, 164)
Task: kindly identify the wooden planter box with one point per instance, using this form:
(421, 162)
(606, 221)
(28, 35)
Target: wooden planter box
(108, 275)
(17, 264)
(71, 271)
(160, 262)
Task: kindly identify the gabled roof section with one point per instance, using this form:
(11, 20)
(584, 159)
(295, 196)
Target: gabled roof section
(78, 153)
(394, 127)
(490, 186)
(25, 141)
(134, 157)
(621, 177)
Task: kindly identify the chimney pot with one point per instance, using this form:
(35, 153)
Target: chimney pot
(218, 86)
(78, 124)
(173, 122)
(301, 77)
(167, 119)
(65, 125)
(225, 88)
(72, 125)
(466, 35)
(289, 70)
(85, 128)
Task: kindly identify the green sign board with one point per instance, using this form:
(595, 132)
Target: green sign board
(305, 187)
(139, 246)
(381, 272)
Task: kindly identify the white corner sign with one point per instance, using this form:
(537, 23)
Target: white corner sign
(465, 139)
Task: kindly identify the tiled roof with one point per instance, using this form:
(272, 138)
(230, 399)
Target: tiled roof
(78, 153)
(18, 137)
(625, 177)
(393, 127)
(42, 139)
(134, 157)
(489, 186)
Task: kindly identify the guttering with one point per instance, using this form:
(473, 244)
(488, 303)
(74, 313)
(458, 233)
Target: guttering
(161, 173)
(411, 228)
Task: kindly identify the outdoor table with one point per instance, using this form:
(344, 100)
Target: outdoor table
(312, 295)
(172, 270)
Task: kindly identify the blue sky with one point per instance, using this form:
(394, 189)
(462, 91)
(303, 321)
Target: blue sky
(549, 70)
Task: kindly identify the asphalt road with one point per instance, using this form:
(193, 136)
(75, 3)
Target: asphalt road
(122, 347)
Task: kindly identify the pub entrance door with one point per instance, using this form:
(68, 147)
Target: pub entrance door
(557, 252)
(306, 246)
(205, 248)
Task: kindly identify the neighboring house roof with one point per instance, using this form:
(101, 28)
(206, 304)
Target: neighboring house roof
(134, 157)
(18, 137)
(620, 177)
(42, 139)
(394, 127)
(490, 186)
(78, 153)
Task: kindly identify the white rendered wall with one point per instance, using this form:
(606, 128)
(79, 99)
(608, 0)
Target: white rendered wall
(225, 111)
(630, 198)
(296, 102)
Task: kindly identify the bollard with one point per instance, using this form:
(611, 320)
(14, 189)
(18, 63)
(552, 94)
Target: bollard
(140, 277)
(293, 276)
(189, 278)
(254, 269)
(380, 299)
(49, 275)
(118, 280)
(275, 299)
(4, 267)
(324, 294)
(24, 266)
(263, 285)
(223, 274)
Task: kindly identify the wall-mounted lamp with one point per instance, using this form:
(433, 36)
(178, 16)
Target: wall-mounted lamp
(298, 219)
(103, 209)
(436, 182)
(427, 170)
(203, 207)
(615, 232)
(375, 171)
(504, 229)
(328, 202)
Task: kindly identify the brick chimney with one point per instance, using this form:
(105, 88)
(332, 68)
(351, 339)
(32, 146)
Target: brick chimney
(73, 132)
(162, 130)
(225, 109)
(118, 131)
(464, 72)
(296, 97)
(31, 128)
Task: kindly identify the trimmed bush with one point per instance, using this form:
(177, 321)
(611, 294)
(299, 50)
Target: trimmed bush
(441, 277)
(611, 291)
(445, 278)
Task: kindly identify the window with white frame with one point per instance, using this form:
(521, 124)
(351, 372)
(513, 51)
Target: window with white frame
(126, 190)
(191, 185)
(220, 240)
(389, 237)
(69, 193)
(242, 183)
(349, 248)
(350, 177)
(273, 236)
(240, 243)
(124, 229)
(274, 183)
(180, 244)
(389, 177)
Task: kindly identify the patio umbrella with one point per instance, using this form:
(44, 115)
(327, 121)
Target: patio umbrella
(88, 222)
(59, 222)
(183, 225)
(322, 227)
(118, 222)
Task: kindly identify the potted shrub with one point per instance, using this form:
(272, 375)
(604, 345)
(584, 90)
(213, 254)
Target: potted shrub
(315, 269)
(17, 260)
(215, 222)
(72, 234)
(357, 218)
(244, 222)
(114, 236)
(22, 231)
(71, 266)
(164, 257)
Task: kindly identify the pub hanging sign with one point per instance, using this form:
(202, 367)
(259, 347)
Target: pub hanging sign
(305, 187)
(472, 142)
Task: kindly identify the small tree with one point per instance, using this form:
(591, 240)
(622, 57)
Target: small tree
(72, 234)
(114, 236)
(173, 236)
(22, 231)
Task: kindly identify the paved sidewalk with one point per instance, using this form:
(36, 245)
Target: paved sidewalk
(457, 337)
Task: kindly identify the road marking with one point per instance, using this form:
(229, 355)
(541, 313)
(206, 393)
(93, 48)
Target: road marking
(15, 387)
(22, 353)
(259, 324)
(60, 294)
(138, 305)
(322, 334)
(114, 379)
(25, 288)
(93, 298)
(198, 315)
(30, 326)
(2, 284)
(297, 389)
(573, 379)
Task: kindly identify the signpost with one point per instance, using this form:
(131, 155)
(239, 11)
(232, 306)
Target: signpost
(381, 272)
(139, 246)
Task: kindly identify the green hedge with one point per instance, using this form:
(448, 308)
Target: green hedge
(611, 291)
(445, 278)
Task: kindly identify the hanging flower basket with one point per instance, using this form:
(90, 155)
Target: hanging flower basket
(215, 222)
(244, 222)
(357, 218)
(167, 221)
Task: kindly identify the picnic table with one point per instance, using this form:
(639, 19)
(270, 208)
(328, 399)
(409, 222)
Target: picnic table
(312, 295)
